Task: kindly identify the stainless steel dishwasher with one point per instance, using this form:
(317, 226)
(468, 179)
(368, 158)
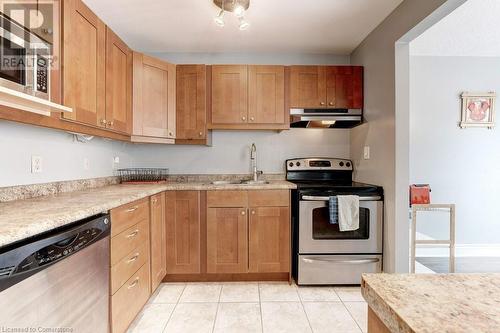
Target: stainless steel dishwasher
(58, 281)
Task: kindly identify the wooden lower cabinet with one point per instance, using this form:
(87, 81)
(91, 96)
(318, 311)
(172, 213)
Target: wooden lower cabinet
(127, 302)
(158, 240)
(269, 239)
(253, 236)
(183, 232)
(227, 240)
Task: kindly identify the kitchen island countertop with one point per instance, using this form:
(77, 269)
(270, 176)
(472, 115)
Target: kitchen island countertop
(458, 303)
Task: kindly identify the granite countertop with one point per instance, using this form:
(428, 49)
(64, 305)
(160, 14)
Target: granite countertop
(21, 219)
(435, 302)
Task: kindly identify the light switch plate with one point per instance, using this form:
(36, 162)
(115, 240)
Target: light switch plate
(36, 164)
(366, 152)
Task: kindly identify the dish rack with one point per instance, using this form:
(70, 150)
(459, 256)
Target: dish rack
(142, 175)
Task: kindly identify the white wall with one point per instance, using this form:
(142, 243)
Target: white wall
(230, 152)
(63, 158)
(377, 54)
(462, 165)
(254, 58)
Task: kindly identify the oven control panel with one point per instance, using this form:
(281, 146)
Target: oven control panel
(304, 164)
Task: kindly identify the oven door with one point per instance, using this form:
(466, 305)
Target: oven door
(318, 236)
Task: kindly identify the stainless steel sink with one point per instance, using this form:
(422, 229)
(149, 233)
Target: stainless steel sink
(255, 182)
(226, 182)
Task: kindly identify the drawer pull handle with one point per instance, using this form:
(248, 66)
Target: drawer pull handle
(342, 261)
(133, 284)
(133, 233)
(134, 258)
(133, 209)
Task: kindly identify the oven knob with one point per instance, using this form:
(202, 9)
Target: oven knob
(341, 164)
(298, 164)
(291, 164)
(348, 164)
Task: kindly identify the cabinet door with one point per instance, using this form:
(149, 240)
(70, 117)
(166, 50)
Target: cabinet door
(84, 51)
(345, 87)
(154, 97)
(118, 84)
(227, 242)
(158, 240)
(266, 94)
(183, 232)
(269, 240)
(191, 102)
(229, 94)
(308, 86)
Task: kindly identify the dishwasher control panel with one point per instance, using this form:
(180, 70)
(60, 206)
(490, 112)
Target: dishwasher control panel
(20, 261)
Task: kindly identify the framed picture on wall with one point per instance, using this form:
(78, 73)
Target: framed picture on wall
(478, 110)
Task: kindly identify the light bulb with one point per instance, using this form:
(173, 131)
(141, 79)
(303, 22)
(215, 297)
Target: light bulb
(219, 19)
(239, 11)
(243, 24)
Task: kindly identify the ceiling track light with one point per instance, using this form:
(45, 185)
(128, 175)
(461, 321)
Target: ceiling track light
(237, 7)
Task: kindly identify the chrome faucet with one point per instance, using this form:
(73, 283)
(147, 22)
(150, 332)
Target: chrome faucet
(253, 160)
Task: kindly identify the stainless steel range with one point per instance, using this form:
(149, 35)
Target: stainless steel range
(322, 253)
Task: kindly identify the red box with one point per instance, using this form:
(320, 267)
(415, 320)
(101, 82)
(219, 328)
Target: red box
(420, 194)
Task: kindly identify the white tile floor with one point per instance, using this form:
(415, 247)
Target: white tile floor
(252, 307)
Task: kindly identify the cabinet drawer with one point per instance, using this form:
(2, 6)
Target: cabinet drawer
(128, 240)
(126, 267)
(227, 199)
(127, 215)
(269, 198)
(129, 300)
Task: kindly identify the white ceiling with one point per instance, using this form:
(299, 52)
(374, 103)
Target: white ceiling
(473, 29)
(305, 26)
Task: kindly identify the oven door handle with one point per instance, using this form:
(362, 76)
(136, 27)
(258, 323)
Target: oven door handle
(342, 261)
(317, 198)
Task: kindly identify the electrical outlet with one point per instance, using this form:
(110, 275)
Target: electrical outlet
(116, 160)
(366, 153)
(86, 163)
(36, 164)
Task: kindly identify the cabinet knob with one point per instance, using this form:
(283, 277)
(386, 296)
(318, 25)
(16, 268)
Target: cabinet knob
(103, 121)
(253, 212)
(244, 118)
(110, 123)
(331, 103)
(154, 200)
(322, 103)
(243, 212)
(252, 118)
(170, 134)
(200, 134)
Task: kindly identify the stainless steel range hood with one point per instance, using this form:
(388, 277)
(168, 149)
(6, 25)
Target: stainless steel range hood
(325, 118)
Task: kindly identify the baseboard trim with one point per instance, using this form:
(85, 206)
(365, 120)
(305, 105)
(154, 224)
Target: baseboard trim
(461, 250)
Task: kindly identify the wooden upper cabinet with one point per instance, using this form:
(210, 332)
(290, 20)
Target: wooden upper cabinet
(308, 86)
(227, 240)
(84, 54)
(153, 100)
(266, 94)
(345, 87)
(269, 239)
(191, 102)
(326, 87)
(158, 240)
(229, 94)
(183, 223)
(118, 84)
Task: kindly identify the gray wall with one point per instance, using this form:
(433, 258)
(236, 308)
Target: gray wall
(462, 165)
(63, 158)
(230, 152)
(377, 54)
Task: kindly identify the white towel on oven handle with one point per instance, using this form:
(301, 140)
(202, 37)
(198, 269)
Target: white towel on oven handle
(348, 210)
